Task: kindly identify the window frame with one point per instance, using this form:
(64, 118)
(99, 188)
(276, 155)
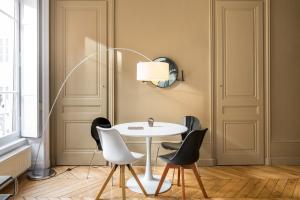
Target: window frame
(16, 60)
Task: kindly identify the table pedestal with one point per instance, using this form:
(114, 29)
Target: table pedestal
(148, 180)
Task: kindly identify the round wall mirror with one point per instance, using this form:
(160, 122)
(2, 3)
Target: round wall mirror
(173, 73)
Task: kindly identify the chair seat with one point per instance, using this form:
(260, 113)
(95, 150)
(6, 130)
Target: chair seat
(171, 145)
(137, 155)
(131, 159)
(167, 157)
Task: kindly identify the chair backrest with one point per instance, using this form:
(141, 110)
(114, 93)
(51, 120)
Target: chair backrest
(192, 123)
(102, 122)
(188, 152)
(114, 148)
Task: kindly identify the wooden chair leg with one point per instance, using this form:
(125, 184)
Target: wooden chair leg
(182, 184)
(137, 179)
(173, 176)
(194, 168)
(107, 180)
(162, 179)
(112, 178)
(178, 177)
(123, 183)
(120, 177)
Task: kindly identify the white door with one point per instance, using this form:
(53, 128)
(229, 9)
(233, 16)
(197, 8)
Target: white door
(81, 30)
(239, 82)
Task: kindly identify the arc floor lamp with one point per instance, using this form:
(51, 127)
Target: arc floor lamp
(146, 71)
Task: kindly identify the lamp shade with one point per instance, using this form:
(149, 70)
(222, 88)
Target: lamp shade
(152, 71)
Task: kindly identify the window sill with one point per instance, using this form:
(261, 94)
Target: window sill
(12, 146)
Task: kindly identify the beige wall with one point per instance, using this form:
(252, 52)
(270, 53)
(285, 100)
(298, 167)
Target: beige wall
(178, 29)
(285, 84)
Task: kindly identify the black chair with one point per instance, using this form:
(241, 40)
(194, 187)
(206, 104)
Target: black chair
(103, 123)
(192, 123)
(185, 158)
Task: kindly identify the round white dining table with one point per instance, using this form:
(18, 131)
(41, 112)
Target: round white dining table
(142, 129)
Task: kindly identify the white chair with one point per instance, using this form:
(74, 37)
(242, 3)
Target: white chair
(116, 152)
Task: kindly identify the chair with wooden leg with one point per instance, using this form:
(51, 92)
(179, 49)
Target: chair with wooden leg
(192, 123)
(185, 158)
(116, 152)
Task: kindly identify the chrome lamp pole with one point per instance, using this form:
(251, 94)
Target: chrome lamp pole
(40, 174)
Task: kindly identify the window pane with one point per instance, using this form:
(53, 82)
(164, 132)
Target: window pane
(8, 6)
(9, 95)
(29, 72)
(8, 114)
(7, 46)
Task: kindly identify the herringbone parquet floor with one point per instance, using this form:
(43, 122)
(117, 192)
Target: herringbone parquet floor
(221, 182)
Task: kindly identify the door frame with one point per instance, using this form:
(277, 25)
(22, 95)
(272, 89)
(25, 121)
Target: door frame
(213, 75)
(110, 70)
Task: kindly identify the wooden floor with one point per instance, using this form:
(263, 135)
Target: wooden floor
(238, 182)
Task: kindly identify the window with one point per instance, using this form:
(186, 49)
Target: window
(18, 69)
(9, 65)
(29, 66)
(4, 50)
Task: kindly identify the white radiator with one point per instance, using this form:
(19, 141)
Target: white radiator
(16, 162)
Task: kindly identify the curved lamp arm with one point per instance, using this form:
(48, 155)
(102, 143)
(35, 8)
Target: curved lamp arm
(131, 50)
(64, 83)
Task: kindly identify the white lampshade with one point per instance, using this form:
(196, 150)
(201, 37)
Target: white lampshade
(152, 71)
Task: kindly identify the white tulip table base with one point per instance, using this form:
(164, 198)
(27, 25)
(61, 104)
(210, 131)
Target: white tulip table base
(150, 185)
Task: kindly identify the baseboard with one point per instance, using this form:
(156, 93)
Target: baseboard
(207, 162)
(285, 160)
(268, 161)
(201, 162)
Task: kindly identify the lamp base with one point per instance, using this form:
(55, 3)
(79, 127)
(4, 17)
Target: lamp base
(41, 174)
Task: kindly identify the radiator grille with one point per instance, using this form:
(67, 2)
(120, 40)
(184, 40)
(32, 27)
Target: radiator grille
(16, 162)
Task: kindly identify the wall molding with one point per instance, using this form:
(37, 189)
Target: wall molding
(267, 77)
(207, 162)
(282, 140)
(212, 78)
(111, 61)
(268, 161)
(285, 160)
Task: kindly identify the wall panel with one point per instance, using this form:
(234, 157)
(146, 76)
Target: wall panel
(285, 86)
